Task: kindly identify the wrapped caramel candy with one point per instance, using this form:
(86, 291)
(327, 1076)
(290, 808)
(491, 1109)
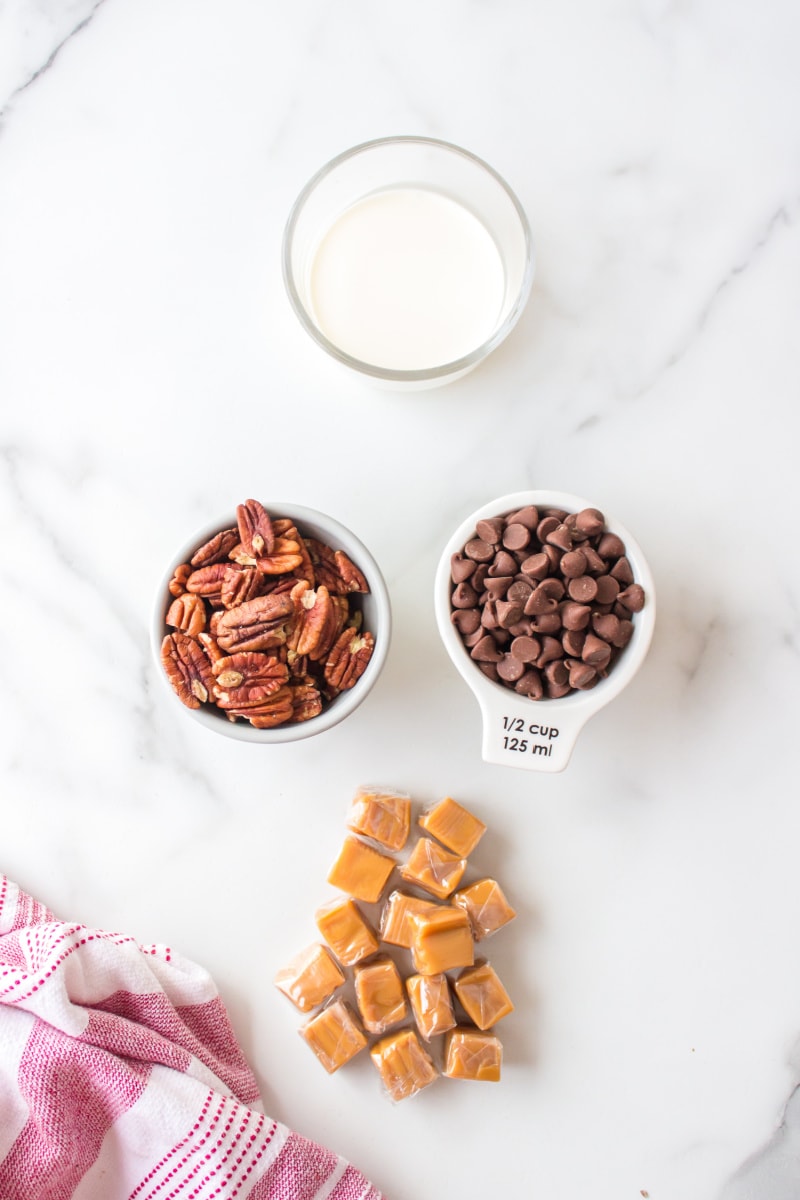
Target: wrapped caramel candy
(472, 1054)
(485, 905)
(431, 1004)
(433, 868)
(454, 826)
(397, 927)
(382, 815)
(482, 995)
(334, 1035)
(442, 940)
(346, 931)
(404, 1066)
(379, 994)
(361, 870)
(310, 978)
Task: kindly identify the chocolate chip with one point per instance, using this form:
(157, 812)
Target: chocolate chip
(527, 516)
(511, 669)
(622, 572)
(530, 684)
(504, 564)
(490, 530)
(486, 650)
(461, 568)
(610, 546)
(526, 649)
(545, 527)
(498, 587)
(583, 589)
(519, 591)
(536, 566)
(590, 521)
(632, 598)
(544, 599)
(516, 537)
(508, 613)
(560, 537)
(607, 589)
(573, 564)
(575, 616)
(596, 652)
(464, 596)
(479, 550)
(466, 620)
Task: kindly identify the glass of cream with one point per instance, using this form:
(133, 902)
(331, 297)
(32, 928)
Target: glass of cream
(408, 260)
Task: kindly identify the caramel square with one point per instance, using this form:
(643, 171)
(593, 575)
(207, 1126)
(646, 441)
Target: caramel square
(442, 940)
(348, 934)
(381, 815)
(310, 978)
(431, 1004)
(361, 870)
(334, 1035)
(482, 995)
(433, 868)
(404, 1066)
(397, 927)
(379, 994)
(486, 906)
(472, 1054)
(454, 826)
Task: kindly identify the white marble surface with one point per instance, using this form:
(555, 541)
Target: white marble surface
(152, 375)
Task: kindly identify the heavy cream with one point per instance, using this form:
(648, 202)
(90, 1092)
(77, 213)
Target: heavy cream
(407, 279)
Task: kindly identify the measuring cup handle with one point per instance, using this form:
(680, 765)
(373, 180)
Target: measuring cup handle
(517, 733)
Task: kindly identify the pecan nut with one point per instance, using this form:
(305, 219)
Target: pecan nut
(255, 528)
(335, 569)
(207, 582)
(188, 614)
(284, 557)
(246, 680)
(276, 709)
(239, 584)
(306, 701)
(315, 623)
(187, 668)
(216, 549)
(177, 585)
(348, 659)
(255, 625)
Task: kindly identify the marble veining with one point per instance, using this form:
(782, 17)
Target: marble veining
(152, 375)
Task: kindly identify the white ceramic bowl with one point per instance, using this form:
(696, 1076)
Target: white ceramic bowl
(462, 185)
(539, 735)
(375, 607)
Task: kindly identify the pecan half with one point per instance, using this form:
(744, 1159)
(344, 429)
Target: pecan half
(284, 557)
(275, 710)
(210, 645)
(247, 678)
(207, 582)
(333, 568)
(255, 528)
(306, 568)
(216, 549)
(239, 584)
(306, 701)
(315, 622)
(348, 658)
(187, 613)
(177, 585)
(187, 669)
(255, 625)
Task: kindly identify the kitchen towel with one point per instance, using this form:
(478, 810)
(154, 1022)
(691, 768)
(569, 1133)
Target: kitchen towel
(121, 1078)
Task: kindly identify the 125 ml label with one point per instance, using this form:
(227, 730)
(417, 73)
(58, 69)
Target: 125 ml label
(528, 737)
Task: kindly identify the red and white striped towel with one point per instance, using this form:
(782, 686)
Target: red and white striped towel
(121, 1078)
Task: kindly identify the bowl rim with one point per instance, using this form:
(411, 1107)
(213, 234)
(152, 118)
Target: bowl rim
(346, 702)
(391, 374)
(629, 661)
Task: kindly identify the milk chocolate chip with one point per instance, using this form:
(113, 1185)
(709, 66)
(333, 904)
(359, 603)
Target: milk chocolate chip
(544, 600)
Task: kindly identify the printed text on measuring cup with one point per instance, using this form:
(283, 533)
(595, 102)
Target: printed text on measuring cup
(513, 727)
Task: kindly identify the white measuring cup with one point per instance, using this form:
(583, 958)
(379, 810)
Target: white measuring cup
(539, 735)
